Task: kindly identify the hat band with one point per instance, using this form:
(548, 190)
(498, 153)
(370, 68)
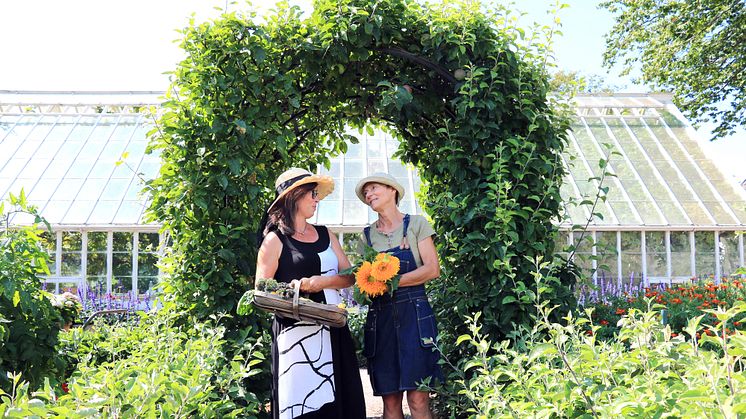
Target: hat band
(288, 183)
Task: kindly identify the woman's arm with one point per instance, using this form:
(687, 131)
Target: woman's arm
(269, 256)
(319, 282)
(430, 268)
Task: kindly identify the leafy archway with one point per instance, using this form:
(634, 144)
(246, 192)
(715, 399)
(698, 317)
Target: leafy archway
(469, 104)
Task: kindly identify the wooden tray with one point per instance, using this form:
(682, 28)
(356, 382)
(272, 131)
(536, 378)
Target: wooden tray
(303, 310)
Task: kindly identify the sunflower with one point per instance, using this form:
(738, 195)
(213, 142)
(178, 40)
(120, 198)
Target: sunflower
(367, 284)
(363, 272)
(384, 267)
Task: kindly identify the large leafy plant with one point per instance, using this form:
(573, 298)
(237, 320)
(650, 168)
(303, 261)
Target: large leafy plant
(29, 324)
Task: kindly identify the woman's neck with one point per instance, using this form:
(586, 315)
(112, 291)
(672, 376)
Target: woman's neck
(389, 219)
(300, 225)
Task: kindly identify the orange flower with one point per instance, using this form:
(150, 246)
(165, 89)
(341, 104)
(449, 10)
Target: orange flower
(674, 334)
(676, 301)
(367, 283)
(604, 322)
(621, 311)
(384, 267)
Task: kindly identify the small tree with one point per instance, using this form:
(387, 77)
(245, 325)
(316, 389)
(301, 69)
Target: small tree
(29, 346)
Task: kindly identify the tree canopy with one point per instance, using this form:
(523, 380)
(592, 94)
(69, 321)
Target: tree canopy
(693, 48)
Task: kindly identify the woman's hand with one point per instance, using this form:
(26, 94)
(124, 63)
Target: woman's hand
(315, 283)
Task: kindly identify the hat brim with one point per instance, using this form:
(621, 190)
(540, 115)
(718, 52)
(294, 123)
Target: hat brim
(325, 186)
(378, 179)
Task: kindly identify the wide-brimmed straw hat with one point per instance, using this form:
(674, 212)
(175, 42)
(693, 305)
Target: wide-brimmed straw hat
(295, 177)
(383, 179)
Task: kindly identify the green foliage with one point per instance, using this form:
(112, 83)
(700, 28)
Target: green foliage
(693, 48)
(153, 369)
(29, 325)
(566, 372)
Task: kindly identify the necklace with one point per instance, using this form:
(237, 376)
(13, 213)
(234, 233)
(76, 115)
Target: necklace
(304, 230)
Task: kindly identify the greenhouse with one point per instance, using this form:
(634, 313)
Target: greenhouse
(669, 214)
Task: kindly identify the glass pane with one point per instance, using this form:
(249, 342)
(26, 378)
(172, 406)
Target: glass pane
(104, 212)
(334, 169)
(79, 212)
(146, 284)
(607, 254)
(97, 241)
(49, 243)
(729, 254)
(71, 263)
(704, 254)
(355, 213)
(148, 242)
(681, 265)
(96, 264)
(72, 240)
(146, 264)
(329, 212)
(376, 165)
(631, 256)
(376, 149)
(122, 264)
(354, 168)
(583, 243)
(96, 288)
(655, 252)
(121, 284)
(122, 241)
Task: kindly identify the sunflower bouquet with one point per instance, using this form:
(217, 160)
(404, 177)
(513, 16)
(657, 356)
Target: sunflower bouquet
(376, 274)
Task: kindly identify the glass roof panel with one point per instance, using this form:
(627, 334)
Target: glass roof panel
(129, 212)
(79, 212)
(55, 210)
(104, 212)
(663, 176)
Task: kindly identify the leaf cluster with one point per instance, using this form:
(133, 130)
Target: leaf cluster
(692, 48)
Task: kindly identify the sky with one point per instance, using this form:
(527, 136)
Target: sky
(104, 45)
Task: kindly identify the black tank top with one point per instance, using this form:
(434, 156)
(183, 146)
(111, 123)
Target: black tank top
(302, 260)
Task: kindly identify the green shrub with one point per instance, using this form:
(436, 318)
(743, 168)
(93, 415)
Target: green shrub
(28, 322)
(152, 369)
(567, 372)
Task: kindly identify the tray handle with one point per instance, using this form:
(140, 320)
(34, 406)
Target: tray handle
(296, 296)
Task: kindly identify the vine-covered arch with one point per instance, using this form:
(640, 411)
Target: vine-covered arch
(470, 105)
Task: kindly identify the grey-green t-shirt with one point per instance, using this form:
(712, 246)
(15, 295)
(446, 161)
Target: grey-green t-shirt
(419, 228)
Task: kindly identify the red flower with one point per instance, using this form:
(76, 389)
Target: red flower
(604, 322)
(709, 332)
(65, 388)
(676, 301)
(589, 332)
(674, 334)
(736, 324)
(621, 311)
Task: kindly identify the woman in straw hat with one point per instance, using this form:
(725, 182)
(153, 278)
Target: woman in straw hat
(314, 368)
(400, 331)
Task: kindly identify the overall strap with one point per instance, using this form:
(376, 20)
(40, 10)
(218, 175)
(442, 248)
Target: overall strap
(406, 224)
(404, 241)
(366, 231)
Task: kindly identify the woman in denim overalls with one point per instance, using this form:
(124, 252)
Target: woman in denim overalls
(400, 331)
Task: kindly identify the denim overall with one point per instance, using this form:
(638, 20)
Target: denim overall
(400, 332)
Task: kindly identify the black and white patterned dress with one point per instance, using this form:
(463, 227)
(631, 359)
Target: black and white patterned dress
(314, 368)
